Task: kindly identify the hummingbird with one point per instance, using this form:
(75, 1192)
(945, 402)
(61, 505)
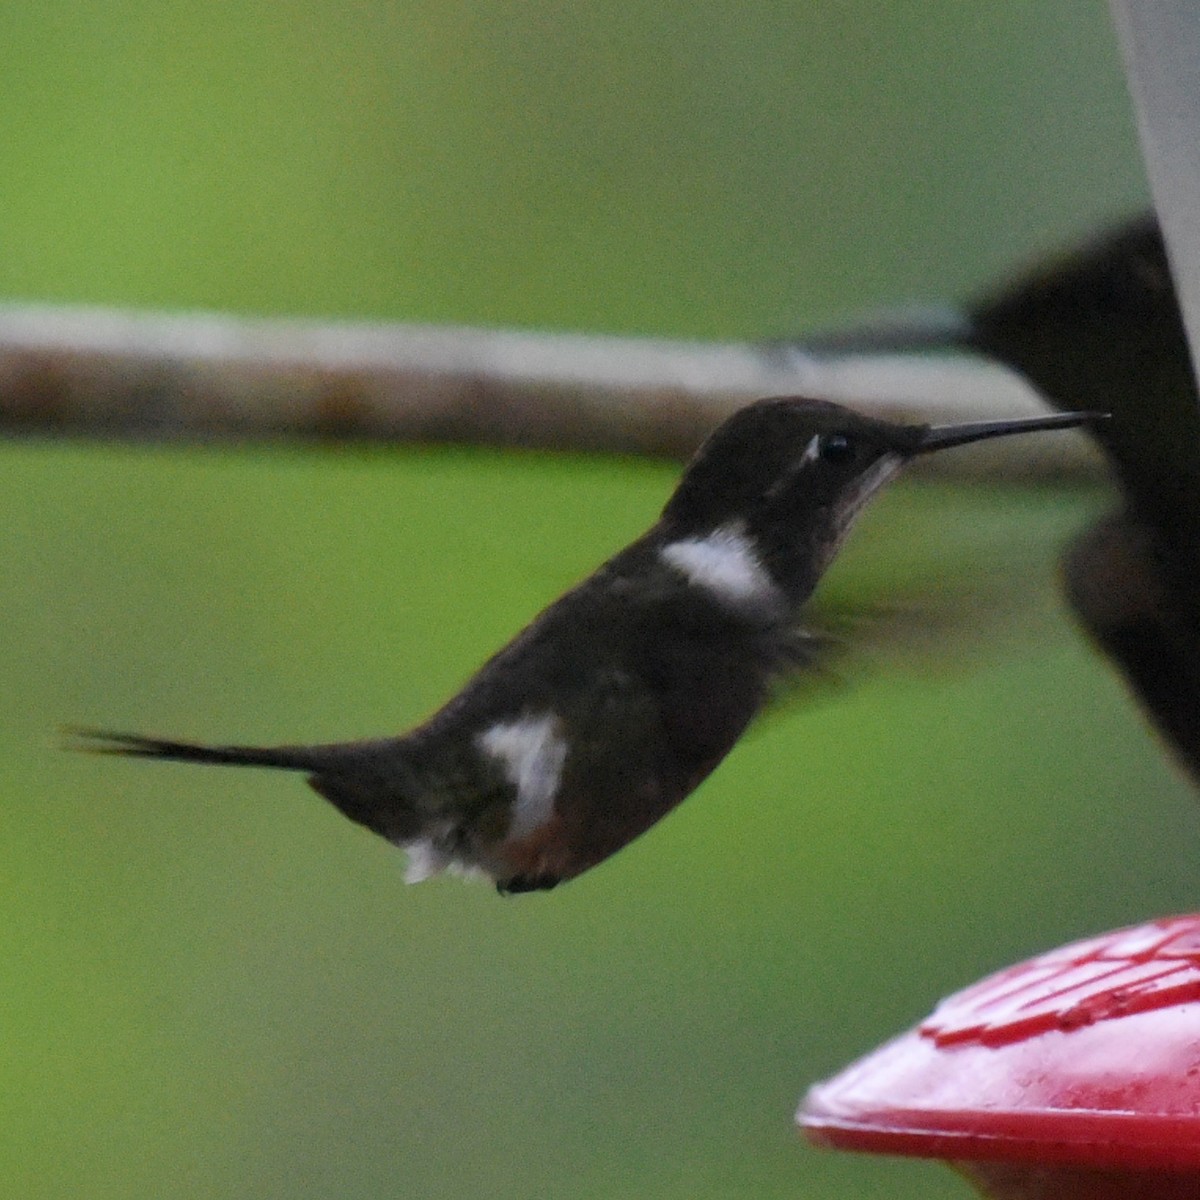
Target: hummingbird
(615, 702)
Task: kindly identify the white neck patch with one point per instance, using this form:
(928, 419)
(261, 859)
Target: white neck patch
(725, 563)
(531, 750)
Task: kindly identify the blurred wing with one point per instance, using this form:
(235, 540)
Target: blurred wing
(948, 578)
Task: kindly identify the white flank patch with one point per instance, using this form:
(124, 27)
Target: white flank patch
(532, 751)
(424, 861)
(723, 562)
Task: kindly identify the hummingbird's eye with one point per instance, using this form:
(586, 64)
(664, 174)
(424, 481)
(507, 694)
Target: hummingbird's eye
(835, 448)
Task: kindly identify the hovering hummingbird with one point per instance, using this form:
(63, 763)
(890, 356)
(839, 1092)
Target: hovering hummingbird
(615, 702)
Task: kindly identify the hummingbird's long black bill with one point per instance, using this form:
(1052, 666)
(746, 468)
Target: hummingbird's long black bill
(942, 437)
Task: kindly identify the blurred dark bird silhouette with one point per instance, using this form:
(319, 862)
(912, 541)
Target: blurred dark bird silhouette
(1100, 327)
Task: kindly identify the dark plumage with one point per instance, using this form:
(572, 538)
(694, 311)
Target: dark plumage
(613, 705)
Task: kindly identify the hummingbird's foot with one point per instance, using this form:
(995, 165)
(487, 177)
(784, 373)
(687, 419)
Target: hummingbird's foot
(526, 883)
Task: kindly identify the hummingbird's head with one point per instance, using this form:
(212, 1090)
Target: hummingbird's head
(791, 474)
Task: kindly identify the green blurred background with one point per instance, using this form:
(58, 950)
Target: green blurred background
(216, 987)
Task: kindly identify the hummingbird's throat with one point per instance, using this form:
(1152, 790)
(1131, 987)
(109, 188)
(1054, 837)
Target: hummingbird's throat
(847, 508)
(863, 490)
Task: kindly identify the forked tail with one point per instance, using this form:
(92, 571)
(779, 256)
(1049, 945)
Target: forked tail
(133, 745)
(363, 780)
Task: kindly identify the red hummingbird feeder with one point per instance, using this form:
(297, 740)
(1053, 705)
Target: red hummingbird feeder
(1073, 1076)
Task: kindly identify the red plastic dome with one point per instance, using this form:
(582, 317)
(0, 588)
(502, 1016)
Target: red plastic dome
(1087, 1057)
